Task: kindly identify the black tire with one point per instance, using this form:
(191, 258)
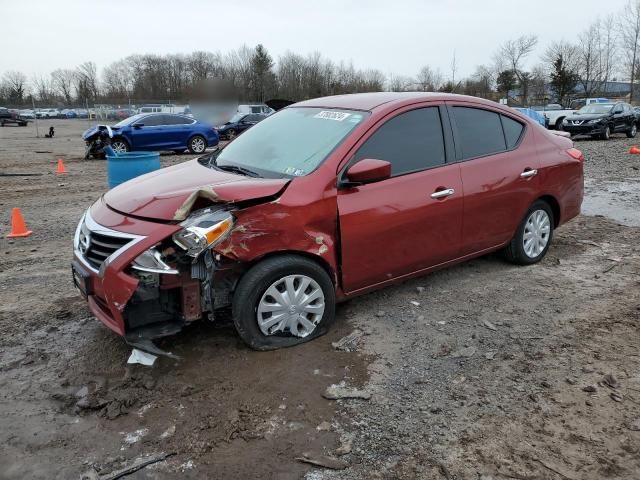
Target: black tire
(633, 131)
(559, 126)
(120, 141)
(515, 252)
(231, 134)
(258, 279)
(606, 134)
(197, 144)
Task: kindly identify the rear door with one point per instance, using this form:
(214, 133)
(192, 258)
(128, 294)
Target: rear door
(499, 167)
(412, 220)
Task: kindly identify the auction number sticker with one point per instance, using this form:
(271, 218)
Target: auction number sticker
(332, 115)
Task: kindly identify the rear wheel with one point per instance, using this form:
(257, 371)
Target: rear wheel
(533, 236)
(633, 131)
(120, 145)
(197, 144)
(283, 301)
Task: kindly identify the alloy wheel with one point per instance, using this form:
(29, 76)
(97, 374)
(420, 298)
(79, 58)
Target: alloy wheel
(198, 145)
(292, 305)
(119, 147)
(536, 233)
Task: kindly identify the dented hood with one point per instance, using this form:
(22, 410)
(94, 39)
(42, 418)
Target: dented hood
(169, 193)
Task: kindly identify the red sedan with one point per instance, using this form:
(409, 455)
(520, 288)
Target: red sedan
(324, 200)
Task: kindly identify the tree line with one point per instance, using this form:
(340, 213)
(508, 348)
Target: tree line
(603, 52)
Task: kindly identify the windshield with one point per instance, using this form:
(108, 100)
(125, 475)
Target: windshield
(596, 108)
(130, 120)
(292, 142)
(237, 117)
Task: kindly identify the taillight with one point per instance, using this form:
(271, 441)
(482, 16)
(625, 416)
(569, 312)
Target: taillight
(575, 154)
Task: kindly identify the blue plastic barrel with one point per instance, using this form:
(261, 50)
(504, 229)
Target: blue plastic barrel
(125, 166)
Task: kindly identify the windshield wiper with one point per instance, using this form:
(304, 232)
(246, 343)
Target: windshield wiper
(237, 169)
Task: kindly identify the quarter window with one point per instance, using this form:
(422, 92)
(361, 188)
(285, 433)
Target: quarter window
(512, 131)
(411, 141)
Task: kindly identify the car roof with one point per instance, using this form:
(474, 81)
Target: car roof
(373, 100)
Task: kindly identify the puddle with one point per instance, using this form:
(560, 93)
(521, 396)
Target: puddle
(619, 201)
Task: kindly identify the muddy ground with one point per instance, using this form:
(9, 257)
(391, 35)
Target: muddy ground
(481, 371)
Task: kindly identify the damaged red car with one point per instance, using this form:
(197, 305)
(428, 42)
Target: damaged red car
(325, 200)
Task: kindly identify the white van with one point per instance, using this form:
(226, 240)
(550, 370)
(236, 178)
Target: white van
(167, 108)
(256, 108)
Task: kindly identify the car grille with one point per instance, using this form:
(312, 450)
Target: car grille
(95, 243)
(101, 247)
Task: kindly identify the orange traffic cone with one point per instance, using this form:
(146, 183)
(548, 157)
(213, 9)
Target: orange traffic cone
(634, 150)
(60, 168)
(18, 227)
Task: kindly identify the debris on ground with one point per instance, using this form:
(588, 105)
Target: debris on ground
(350, 342)
(138, 464)
(323, 461)
(336, 392)
(142, 358)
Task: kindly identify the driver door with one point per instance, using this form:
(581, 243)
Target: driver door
(411, 221)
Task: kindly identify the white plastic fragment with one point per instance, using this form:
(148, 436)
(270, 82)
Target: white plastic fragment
(143, 358)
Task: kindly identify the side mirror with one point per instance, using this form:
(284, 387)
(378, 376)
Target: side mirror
(138, 125)
(368, 170)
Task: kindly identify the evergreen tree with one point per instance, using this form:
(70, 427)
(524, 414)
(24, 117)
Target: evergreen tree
(562, 80)
(262, 76)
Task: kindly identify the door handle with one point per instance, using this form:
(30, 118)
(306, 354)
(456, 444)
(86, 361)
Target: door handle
(528, 173)
(443, 193)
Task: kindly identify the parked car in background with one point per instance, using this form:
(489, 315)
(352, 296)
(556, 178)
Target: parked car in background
(160, 131)
(537, 116)
(82, 113)
(554, 113)
(28, 114)
(68, 113)
(238, 124)
(256, 108)
(123, 113)
(48, 113)
(581, 102)
(323, 201)
(602, 119)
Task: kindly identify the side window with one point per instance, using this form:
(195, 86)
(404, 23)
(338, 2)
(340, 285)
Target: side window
(480, 131)
(152, 120)
(410, 141)
(512, 131)
(172, 120)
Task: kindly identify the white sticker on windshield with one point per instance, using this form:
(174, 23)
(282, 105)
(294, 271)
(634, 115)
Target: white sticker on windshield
(332, 115)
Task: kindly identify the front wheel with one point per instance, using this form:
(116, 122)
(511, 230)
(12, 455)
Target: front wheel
(283, 301)
(533, 236)
(120, 145)
(632, 132)
(607, 133)
(197, 144)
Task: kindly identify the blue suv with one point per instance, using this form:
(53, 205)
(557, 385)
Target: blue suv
(162, 131)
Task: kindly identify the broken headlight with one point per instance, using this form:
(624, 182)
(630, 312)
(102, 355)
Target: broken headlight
(151, 261)
(202, 230)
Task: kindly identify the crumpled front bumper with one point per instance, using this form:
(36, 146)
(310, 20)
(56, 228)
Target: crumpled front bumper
(110, 288)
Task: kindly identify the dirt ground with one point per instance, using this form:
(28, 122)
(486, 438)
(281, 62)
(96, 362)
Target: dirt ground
(482, 371)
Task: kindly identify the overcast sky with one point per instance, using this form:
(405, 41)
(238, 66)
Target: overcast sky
(395, 36)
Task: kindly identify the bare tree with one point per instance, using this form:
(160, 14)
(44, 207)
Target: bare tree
(399, 83)
(62, 81)
(429, 80)
(511, 56)
(589, 64)
(630, 33)
(42, 88)
(16, 85)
